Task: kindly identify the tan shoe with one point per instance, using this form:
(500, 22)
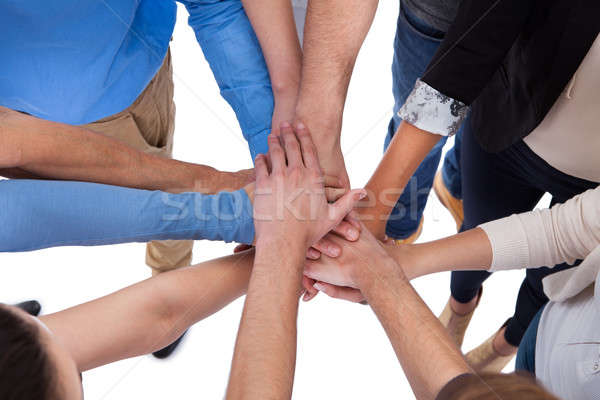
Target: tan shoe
(452, 204)
(484, 357)
(460, 322)
(412, 238)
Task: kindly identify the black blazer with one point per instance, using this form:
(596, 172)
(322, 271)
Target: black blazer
(510, 60)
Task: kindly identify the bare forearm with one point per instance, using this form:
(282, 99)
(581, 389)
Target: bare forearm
(470, 250)
(151, 314)
(273, 22)
(334, 33)
(264, 360)
(59, 151)
(408, 148)
(428, 356)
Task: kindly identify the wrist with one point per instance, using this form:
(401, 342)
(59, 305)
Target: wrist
(280, 241)
(324, 124)
(408, 258)
(281, 249)
(381, 271)
(204, 179)
(285, 89)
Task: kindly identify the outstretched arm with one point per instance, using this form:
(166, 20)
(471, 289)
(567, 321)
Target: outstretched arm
(38, 214)
(334, 33)
(428, 355)
(564, 233)
(408, 148)
(273, 22)
(32, 147)
(151, 314)
(291, 214)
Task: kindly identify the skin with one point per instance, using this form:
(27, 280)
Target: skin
(149, 315)
(290, 202)
(273, 22)
(368, 270)
(31, 147)
(428, 356)
(334, 33)
(143, 317)
(466, 251)
(407, 149)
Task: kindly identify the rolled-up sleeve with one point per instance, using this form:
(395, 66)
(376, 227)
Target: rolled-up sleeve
(235, 57)
(472, 52)
(432, 111)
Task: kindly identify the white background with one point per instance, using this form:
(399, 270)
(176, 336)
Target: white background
(342, 350)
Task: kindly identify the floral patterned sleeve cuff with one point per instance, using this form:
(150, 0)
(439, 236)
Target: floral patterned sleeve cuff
(429, 110)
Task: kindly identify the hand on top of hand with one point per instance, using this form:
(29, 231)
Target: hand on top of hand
(343, 276)
(289, 199)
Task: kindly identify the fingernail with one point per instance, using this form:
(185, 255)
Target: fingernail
(353, 234)
(300, 125)
(334, 251)
(305, 297)
(319, 287)
(362, 195)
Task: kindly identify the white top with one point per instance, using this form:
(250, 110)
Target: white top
(569, 136)
(568, 341)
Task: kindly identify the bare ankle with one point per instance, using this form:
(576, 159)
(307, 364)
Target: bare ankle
(501, 346)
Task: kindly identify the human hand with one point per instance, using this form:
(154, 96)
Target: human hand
(359, 263)
(326, 136)
(348, 229)
(289, 200)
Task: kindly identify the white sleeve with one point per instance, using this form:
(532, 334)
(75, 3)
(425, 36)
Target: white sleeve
(564, 233)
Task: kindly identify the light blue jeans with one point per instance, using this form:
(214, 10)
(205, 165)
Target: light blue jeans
(40, 214)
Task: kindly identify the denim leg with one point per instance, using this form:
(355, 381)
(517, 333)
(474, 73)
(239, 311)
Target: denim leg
(41, 214)
(234, 54)
(526, 353)
(414, 46)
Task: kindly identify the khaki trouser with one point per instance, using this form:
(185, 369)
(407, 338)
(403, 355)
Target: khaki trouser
(148, 125)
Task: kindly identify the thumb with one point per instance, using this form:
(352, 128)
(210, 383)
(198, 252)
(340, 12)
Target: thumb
(345, 204)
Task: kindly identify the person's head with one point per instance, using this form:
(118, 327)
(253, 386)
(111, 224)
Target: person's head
(494, 387)
(33, 364)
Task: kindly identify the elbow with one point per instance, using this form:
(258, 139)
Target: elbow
(167, 318)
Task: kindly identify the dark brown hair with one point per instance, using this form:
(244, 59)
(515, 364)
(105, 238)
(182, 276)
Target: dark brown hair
(26, 371)
(495, 387)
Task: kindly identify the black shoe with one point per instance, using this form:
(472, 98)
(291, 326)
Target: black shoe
(167, 351)
(31, 307)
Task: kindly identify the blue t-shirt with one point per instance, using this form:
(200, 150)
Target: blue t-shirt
(76, 61)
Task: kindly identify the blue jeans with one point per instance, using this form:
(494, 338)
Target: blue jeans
(414, 46)
(526, 353)
(41, 214)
